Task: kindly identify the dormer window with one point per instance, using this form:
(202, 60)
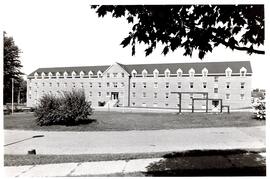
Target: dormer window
(167, 73)
(90, 74)
(228, 72)
(43, 75)
(73, 74)
(36, 75)
(179, 72)
(155, 72)
(50, 75)
(191, 72)
(204, 72)
(81, 74)
(243, 71)
(134, 73)
(144, 73)
(57, 75)
(99, 74)
(65, 74)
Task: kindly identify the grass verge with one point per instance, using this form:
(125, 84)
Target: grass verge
(116, 121)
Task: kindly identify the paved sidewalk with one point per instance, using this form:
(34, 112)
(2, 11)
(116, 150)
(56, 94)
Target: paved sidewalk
(80, 169)
(135, 141)
(224, 163)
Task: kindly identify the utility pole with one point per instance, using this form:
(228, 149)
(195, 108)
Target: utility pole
(12, 95)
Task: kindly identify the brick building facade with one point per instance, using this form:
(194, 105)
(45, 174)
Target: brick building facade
(148, 85)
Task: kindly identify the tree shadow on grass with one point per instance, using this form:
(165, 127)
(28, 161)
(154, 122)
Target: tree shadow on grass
(209, 163)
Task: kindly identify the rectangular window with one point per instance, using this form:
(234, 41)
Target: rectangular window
(133, 85)
(155, 84)
(215, 90)
(191, 84)
(58, 84)
(108, 85)
(216, 79)
(228, 96)
(242, 96)
(204, 96)
(50, 84)
(115, 84)
(81, 85)
(108, 75)
(122, 84)
(179, 74)
(144, 94)
(167, 85)
(43, 84)
(166, 95)
(204, 84)
(73, 84)
(242, 85)
(133, 103)
(99, 85)
(166, 104)
(99, 94)
(108, 94)
(133, 94)
(123, 75)
(114, 75)
(144, 84)
(228, 85)
(155, 95)
(90, 93)
(36, 84)
(179, 84)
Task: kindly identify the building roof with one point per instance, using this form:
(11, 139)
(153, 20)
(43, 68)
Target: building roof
(212, 67)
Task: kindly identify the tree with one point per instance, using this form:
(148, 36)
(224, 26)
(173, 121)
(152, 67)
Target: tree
(12, 67)
(192, 27)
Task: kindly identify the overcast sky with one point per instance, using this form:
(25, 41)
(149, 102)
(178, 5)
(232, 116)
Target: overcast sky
(68, 33)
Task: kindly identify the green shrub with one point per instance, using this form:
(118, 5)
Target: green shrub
(69, 109)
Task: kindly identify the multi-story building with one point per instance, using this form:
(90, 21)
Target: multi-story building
(148, 85)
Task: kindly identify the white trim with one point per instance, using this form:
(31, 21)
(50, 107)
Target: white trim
(65, 74)
(166, 71)
(57, 75)
(99, 72)
(191, 71)
(143, 72)
(50, 75)
(73, 74)
(155, 72)
(81, 74)
(204, 70)
(179, 70)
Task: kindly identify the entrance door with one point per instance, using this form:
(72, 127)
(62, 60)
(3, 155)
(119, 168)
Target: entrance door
(215, 104)
(114, 95)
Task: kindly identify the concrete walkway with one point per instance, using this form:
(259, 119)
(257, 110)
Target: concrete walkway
(134, 141)
(80, 169)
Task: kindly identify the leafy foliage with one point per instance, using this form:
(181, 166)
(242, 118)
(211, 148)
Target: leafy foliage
(260, 110)
(12, 67)
(69, 109)
(192, 27)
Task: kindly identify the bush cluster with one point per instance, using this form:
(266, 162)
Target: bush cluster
(260, 111)
(71, 108)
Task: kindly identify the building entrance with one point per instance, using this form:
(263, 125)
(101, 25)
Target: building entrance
(114, 95)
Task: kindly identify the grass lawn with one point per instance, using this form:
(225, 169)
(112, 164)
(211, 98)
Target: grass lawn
(115, 121)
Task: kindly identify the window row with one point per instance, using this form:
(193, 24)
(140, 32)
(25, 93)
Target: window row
(191, 72)
(144, 85)
(144, 73)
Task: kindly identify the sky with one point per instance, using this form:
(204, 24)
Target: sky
(68, 33)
